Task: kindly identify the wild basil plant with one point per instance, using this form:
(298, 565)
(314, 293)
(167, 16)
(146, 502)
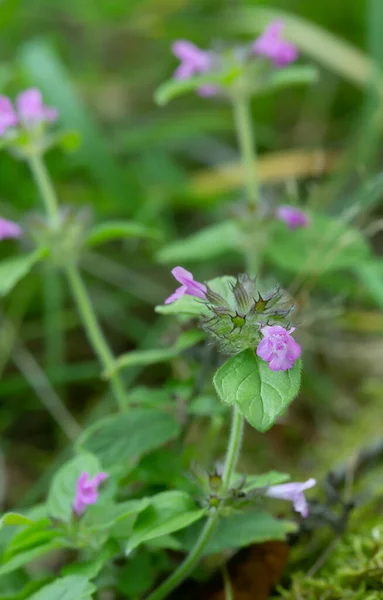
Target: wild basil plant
(131, 501)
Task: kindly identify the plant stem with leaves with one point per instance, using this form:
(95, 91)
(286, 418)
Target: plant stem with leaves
(76, 284)
(196, 553)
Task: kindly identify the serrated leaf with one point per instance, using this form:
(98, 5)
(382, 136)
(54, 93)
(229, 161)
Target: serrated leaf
(323, 246)
(12, 270)
(15, 519)
(123, 439)
(72, 587)
(63, 488)
(261, 394)
(116, 230)
(238, 530)
(158, 355)
(209, 243)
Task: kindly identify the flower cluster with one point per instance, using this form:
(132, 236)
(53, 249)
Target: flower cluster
(87, 491)
(195, 61)
(240, 319)
(292, 216)
(29, 111)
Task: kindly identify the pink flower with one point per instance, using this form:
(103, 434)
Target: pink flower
(8, 116)
(87, 491)
(31, 110)
(193, 62)
(189, 286)
(9, 229)
(294, 493)
(272, 45)
(278, 348)
(292, 216)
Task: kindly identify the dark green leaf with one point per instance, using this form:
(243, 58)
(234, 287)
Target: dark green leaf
(106, 232)
(122, 439)
(261, 394)
(12, 270)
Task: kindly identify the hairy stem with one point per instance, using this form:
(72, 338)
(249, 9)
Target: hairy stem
(75, 281)
(195, 554)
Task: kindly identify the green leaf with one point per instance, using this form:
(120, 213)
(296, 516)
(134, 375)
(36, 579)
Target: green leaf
(63, 489)
(371, 276)
(168, 512)
(37, 534)
(238, 530)
(293, 75)
(12, 270)
(325, 245)
(23, 558)
(256, 482)
(14, 519)
(209, 243)
(122, 439)
(151, 357)
(138, 575)
(116, 230)
(261, 394)
(73, 587)
(103, 516)
(176, 87)
(91, 568)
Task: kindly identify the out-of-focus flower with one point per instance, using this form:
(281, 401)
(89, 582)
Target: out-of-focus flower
(189, 286)
(30, 111)
(294, 493)
(194, 61)
(278, 348)
(293, 217)
(8, 116)
(9, 229)
(87, 491)
(272, 45)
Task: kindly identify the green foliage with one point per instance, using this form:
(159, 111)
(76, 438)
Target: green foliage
(14, 519)
(239, 530)
(120, 440)
(12, 270)
(261, 394)
(106, 232)
(73, 587)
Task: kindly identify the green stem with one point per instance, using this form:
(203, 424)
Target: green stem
(227, 583)
(76, 284)
(194, 557)
(246, 142)
(44, 184)
(93, 330)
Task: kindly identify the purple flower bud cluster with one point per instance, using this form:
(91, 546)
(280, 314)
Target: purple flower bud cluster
(270, 45)
(9, 230)
(240, 324)
(29, 111)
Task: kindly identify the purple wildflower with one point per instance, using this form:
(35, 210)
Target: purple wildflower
(9, 229)
(194, 61)
(87, 491)
(278, 348)
(272, 45)
(8, 116)
(189, 286)
(294, 493)
(293, 217)
(31, 110)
